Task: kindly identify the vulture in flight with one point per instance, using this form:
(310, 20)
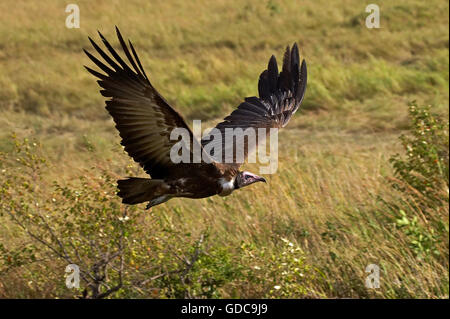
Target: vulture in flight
(145, 121)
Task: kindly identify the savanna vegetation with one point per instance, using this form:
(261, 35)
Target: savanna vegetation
(363, 167)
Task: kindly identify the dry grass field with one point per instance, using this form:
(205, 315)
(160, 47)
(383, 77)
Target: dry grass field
(310, 232)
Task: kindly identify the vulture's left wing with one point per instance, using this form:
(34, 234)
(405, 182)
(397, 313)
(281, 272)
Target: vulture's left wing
(143, 117)
(280, 95)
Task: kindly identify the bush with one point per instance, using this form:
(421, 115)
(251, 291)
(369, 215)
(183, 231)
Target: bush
(424, 173)
(423, 176)
(119, 254)
(280, 274)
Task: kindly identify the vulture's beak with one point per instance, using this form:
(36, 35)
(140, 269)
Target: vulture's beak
(248, 178)
(261, 179)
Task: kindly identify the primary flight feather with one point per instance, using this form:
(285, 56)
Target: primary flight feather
(145, 121)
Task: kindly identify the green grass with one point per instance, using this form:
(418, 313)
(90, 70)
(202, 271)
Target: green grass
(204, 57)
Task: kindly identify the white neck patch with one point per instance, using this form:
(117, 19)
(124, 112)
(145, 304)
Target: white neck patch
(227, 186)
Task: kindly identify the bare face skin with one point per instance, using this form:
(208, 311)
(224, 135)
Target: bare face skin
(247, 178)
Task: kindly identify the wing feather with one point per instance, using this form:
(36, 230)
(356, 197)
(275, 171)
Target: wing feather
(143, 117)
(280, 95)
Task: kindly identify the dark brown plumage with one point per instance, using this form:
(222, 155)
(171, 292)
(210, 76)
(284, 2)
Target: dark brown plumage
(145, 120)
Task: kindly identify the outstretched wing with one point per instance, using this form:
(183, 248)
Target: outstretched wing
(280, 95)
(143, 117)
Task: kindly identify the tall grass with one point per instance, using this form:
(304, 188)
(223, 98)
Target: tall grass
(329, 211)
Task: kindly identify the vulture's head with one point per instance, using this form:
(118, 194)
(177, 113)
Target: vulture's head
(246, 178)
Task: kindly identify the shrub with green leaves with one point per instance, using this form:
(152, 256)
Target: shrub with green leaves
(119, 252)
(205, 271)
(284, 274)
(422, 174)
(423, 171)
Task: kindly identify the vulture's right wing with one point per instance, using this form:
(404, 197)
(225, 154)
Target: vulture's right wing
(280, 96)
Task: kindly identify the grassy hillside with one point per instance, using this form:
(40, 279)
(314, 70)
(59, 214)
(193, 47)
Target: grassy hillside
(331, 209)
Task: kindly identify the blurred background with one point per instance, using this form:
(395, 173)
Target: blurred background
(341, 199)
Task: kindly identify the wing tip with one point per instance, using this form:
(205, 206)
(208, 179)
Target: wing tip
(292, 77)
(272, 60)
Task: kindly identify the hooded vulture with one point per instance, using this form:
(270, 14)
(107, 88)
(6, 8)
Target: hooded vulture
(145, 121)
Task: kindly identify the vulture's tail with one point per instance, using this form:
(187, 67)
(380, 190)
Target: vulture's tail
(135, 190)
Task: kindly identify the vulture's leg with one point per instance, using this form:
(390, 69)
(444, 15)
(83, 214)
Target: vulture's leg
(158, 200)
